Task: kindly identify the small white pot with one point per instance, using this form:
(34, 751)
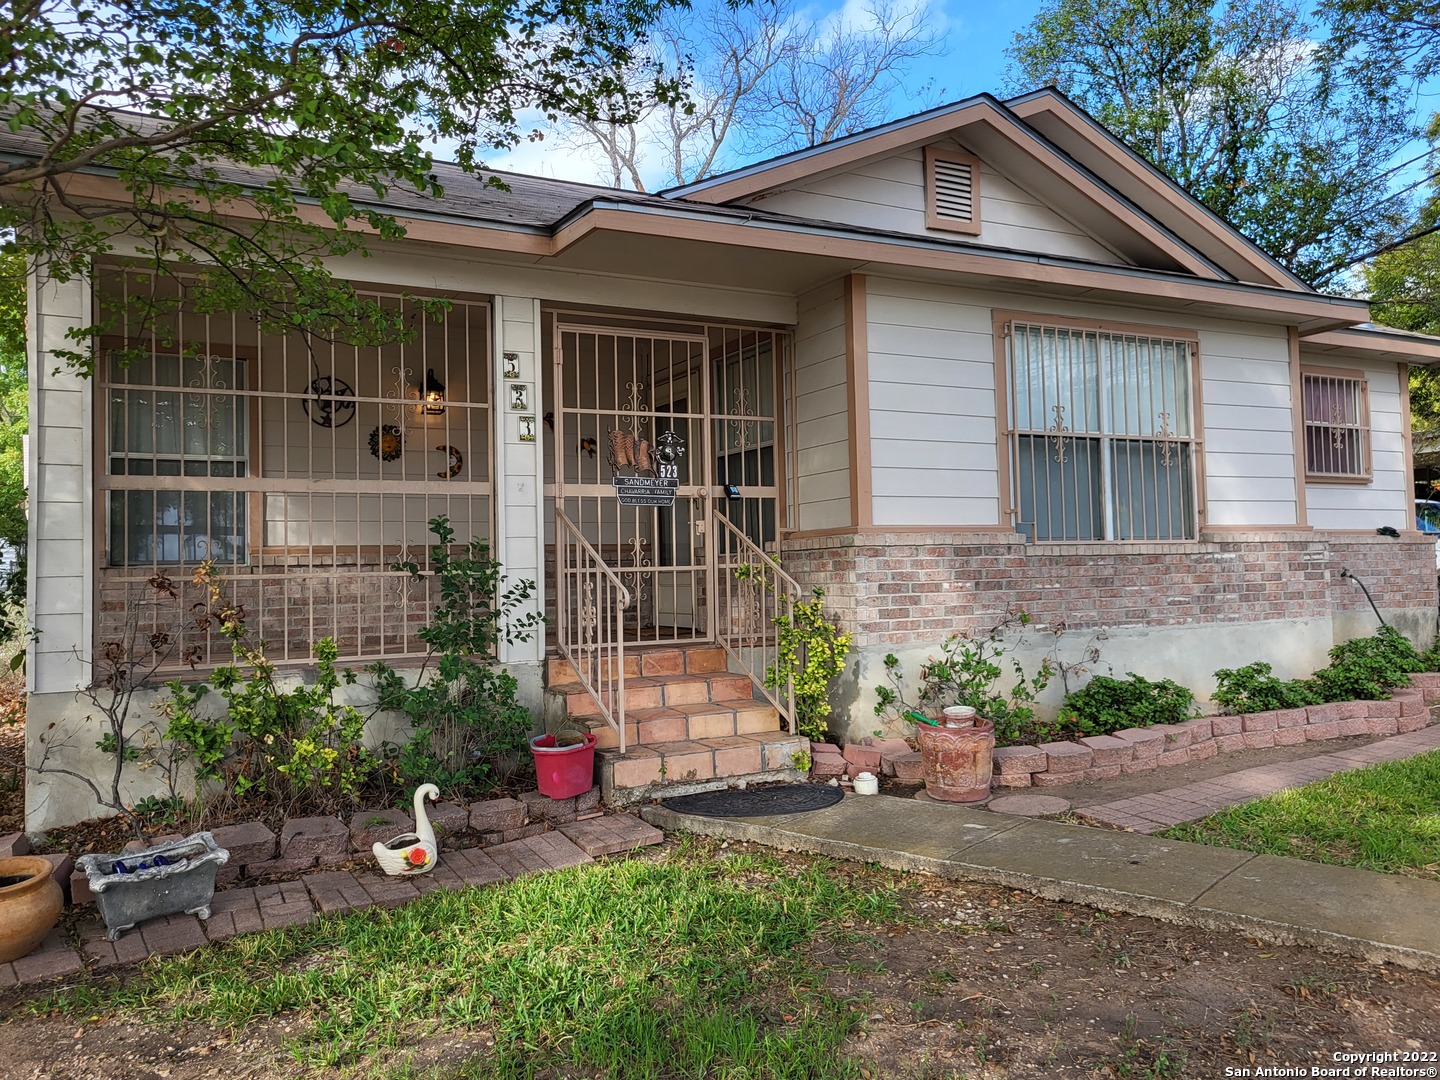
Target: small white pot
(867, 784)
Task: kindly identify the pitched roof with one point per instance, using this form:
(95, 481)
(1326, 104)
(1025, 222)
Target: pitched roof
(1061, 137)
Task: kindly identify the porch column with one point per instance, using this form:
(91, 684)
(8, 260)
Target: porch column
(60, 477)
(519, 480)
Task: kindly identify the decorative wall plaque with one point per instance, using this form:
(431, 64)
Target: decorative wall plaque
(662, 459)
(331, 403)
(519, 396)
(512, 365)
(527, 429)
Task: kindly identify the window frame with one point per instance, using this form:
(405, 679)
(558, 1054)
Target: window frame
(1364, 427)
(111, 482)
(933, 217)
(1008, 433)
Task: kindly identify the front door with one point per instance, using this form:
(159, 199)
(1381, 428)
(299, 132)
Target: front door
(634, 468)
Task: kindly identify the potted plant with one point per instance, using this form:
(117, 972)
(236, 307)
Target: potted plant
(30, 903)
(166, 879)
(959, 709)
(956, 753)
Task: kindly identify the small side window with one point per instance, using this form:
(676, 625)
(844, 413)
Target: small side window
(1337, 424)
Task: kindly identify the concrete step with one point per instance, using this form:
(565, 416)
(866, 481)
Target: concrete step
(681, 768)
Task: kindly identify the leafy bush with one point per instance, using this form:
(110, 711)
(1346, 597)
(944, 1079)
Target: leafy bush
(467, 724)
(1107, 704)
(971, 671)
(810, 650)
(1253, 688)
(1365, 669)
(1362, 669)
(299, 747)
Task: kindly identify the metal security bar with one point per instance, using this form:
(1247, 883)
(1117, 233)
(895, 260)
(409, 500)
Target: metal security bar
(303, 470)
(1102, 438)
(620, 390)
(594, 601)
(1337, 425)
(755, 593)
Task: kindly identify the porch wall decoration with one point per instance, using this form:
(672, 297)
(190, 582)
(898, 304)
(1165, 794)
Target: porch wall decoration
(527, 429)
(512, 365)
(455, 461)
(520, 397)
(327, 406)
(386, 442)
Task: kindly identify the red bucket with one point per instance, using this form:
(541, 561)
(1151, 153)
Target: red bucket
(563, 771)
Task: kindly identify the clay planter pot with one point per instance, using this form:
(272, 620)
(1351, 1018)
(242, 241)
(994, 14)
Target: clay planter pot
(956, 761)
(30, 903)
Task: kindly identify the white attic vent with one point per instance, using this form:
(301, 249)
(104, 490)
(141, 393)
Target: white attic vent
(952, 195)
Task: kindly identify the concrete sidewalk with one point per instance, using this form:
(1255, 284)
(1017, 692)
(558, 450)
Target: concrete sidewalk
(1377, 917)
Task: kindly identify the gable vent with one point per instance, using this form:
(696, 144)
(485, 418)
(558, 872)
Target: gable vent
(952, 191)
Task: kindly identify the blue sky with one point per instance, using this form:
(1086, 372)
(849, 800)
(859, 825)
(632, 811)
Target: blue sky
(976, 36)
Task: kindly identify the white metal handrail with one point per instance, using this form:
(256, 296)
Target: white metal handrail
(592, 601)
(746, 626)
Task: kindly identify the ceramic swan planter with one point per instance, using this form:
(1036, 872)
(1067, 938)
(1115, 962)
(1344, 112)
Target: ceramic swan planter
(411, 853)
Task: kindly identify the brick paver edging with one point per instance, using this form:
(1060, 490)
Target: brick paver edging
(293, 903)
(1160, 810)
(1103, 757)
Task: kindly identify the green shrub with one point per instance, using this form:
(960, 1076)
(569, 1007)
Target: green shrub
(467, 724)
(970, 670)
(1253, 688)
(1365, 669)
(1106, 704)
(1362, 669)
(810, 654)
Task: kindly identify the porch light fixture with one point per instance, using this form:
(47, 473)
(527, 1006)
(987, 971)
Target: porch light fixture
(434, 394)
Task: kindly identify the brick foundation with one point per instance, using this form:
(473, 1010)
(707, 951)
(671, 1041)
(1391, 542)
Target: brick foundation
(916, 588)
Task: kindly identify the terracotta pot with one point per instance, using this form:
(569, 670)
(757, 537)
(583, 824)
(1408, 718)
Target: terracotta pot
(956, 761)
(30, 903)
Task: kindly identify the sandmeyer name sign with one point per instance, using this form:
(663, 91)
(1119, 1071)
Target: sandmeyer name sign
(646, 490)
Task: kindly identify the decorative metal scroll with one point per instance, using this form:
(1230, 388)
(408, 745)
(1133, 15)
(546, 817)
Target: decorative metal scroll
(1059, 433)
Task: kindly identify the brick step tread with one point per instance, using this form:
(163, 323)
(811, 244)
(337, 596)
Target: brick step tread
(649, 660)
(672, 691)
(680, 723)
(693, 760)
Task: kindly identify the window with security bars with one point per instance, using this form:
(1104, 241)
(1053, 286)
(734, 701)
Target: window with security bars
(176, 419)
(1102, 434)
(1337, 424)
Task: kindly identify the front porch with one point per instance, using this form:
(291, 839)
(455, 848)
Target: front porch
(305, 473)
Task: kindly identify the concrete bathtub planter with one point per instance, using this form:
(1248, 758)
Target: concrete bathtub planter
(167, 879)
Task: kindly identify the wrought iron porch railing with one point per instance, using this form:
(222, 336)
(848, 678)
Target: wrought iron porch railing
(751, 606)
(591, 631)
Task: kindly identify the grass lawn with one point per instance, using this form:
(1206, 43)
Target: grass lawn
(679, 965)
(1384, 817)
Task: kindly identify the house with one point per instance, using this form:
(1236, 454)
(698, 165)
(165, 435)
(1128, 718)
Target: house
(981, 359)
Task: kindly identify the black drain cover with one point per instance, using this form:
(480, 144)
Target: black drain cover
(756, 802)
